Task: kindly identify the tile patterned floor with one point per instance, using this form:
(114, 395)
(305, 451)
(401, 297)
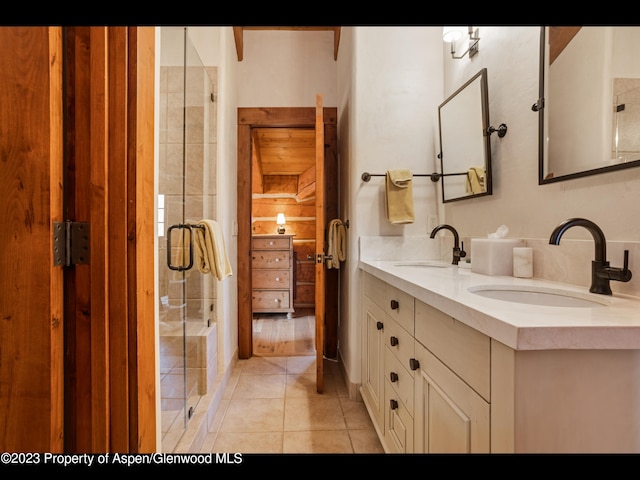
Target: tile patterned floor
(271, 406)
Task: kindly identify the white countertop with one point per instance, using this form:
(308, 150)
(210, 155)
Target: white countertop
(615, 325)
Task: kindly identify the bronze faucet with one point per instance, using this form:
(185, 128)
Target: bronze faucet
(601, 272)
(458, 252)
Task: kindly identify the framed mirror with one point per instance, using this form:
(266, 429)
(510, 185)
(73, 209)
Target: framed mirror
(589, 101)
(465, 148)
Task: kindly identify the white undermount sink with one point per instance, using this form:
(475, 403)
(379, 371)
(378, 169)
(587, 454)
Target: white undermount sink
(543, 296)
(422, 263)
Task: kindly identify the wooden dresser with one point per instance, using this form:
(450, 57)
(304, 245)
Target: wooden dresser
(272, 273)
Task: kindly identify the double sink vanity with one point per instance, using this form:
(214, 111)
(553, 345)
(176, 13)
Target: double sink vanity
(460, 362)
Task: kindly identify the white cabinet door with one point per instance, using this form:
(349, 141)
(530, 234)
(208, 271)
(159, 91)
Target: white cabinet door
(373, 365)
(449, 416)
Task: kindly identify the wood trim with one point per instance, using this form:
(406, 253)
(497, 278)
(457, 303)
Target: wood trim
(320, 266)
(117, 232)
(245, 333)
(56, 289)
(98, 218)
(141, 237)
(111, 392)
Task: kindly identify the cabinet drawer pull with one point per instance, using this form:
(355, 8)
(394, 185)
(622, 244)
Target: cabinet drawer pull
(393, 341)
(393, 376)
(277, 260)
(393, 404)
(270, 242)
(379, 325)
(414, 364)
(394, 304)
(277, 279)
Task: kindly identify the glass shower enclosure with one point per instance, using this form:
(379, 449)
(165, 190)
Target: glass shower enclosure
(186, 195)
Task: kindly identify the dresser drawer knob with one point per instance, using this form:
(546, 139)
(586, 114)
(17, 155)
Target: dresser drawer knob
(414, 364)
(270, 243)
(277, 300)
(277, 279)
(393, 376)
(394, 341)
(394, 304)
(277, 260)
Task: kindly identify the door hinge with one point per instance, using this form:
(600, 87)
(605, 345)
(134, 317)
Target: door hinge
(70, 243)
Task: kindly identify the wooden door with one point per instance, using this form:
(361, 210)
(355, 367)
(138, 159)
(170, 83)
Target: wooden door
(31, 288)
(320, 246)
(77, 356)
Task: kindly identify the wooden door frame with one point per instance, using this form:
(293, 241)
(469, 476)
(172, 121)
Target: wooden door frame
(298, 117)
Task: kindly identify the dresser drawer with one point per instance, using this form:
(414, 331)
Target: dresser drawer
(271, 279)
(271, 243)
(270, 300)
(271, 259)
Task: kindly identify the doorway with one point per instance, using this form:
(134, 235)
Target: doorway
(249, 120)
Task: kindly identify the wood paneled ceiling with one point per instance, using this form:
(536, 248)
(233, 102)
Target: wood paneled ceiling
(239, 37)
(283, 161)
(284, 151)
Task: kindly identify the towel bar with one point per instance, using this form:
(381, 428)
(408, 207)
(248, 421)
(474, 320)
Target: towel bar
(366, 176)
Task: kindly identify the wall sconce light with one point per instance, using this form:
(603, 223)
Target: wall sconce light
(453, 34)
(281, 222)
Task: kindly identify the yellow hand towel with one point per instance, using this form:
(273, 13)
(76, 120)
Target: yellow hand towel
(336, 248)
(475, 180)
(399, 196)
(211, 253)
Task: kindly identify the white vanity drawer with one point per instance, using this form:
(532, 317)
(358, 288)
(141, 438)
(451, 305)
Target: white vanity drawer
(400, 307)
(463, 349)
(398, 423)
(375, 289)
(399, 342)
(400, 379)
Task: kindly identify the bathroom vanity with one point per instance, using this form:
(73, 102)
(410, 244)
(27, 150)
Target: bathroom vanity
(449, 370)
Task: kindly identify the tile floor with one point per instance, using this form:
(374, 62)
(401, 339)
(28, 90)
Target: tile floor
(271, 406)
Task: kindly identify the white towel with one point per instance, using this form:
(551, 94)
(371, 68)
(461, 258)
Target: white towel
(336, 248)
(211, 253)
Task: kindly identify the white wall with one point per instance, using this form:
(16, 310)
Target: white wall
(216, 47)
(387, 84)
(283, 68)
(390, 85)
(511, 56)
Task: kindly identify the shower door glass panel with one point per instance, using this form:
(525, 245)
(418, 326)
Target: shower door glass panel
(185, 193)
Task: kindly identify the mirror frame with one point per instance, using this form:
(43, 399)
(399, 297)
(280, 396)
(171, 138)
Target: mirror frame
(486, 138)
(541, 106)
